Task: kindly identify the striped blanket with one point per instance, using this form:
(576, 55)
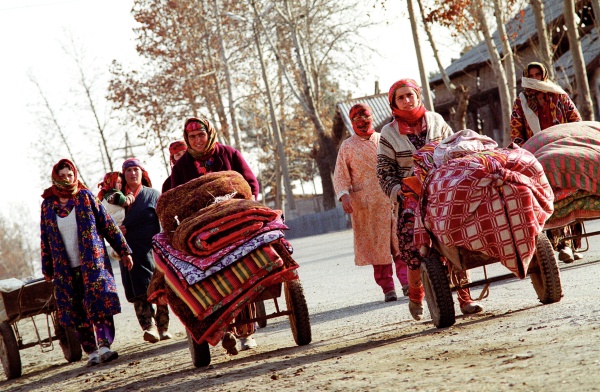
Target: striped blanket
(209, 295)
(570, 155)
(219, 225)
(192, 269)
(494, 202)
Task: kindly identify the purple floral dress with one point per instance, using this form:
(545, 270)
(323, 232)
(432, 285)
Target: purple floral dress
(100, 299)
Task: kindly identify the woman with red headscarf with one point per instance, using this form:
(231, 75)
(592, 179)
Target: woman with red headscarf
(373, 221)
(74, 257)
(205, 155)
(412, 127)
(176, 151)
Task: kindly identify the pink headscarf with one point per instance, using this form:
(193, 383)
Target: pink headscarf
(361, 116)
(406, 118)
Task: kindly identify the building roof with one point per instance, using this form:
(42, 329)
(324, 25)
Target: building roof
(382, 113)
(590, 46)
(520, 30)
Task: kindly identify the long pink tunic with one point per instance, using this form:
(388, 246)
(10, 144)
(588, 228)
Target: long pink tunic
(372, 218)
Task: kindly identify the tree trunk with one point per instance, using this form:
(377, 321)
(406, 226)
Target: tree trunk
(427, 101)
(584, 100)
(496, 63)
(509, 62)
(596, 9)
(461, 93)
(289, 195)
(543, 40)
(224, 60)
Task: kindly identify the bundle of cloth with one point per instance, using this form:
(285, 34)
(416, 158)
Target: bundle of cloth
(477, 196)
(185, 200)
(570, 156)
(217, 246)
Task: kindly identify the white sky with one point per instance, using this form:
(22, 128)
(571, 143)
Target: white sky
(32, 30)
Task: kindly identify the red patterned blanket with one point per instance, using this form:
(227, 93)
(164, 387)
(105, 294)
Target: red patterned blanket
(570, 155)
(494, 202)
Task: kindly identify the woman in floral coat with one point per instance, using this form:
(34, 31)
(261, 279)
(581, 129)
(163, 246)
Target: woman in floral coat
(74, 257)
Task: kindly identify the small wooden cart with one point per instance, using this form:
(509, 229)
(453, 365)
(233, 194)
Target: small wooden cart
(33, 298)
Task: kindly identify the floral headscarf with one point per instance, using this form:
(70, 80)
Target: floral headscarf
(192, 124)
(109, 182)
(361, 116)
(406, 118)
(60, 188)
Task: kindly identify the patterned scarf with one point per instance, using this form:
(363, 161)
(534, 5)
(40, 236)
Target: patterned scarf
(193, 124)
(109, 182)
(406, 118)
(60, 188)
(361, 116)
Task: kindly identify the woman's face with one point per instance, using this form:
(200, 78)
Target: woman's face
(133, 177)
(535, 73)
(66, 174)
(406, 98)
(119, 183)
(198, 139)
(180, 153)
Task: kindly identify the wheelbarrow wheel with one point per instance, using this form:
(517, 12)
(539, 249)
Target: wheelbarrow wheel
(437, 292)
(299, 318)
(544, 272)
(200, 352)
(9, 352)
(261, 312)
(69, 343)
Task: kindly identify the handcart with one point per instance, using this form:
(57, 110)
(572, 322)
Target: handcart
(543, 272)
(32, 298)
(296, 310)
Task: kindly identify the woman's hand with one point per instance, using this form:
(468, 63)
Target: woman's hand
(347, 204)
(127, 261)
(47, 278)
(123, 229)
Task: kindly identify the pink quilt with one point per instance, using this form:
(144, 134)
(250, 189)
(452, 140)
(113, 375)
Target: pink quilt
(494, 202)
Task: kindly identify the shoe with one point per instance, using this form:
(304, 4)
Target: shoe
(566, 255)
(577, 256)
(165, 335)
(229, 343)
(405, 290)
(151, 334)
(93, 359)
(416, 310)
(390, 296)
(471, 308)
(247, 343)
(107, 355)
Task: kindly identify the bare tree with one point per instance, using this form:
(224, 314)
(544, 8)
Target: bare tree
(461, 93)
(507, 53)
(544, 43)
(17, 250)
(584, 100)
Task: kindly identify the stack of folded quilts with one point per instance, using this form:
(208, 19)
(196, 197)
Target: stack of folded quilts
(217, 246)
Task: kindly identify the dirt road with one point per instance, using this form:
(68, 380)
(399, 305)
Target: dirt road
(361, 343)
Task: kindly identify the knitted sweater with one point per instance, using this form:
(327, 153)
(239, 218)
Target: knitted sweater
(395, 151)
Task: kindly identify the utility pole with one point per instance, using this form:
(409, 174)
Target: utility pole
(427, 101)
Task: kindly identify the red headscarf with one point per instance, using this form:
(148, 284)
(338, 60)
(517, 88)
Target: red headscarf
(109, 182)
(406, 118)
(361, 116)
(174, 148)
(60, 188)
